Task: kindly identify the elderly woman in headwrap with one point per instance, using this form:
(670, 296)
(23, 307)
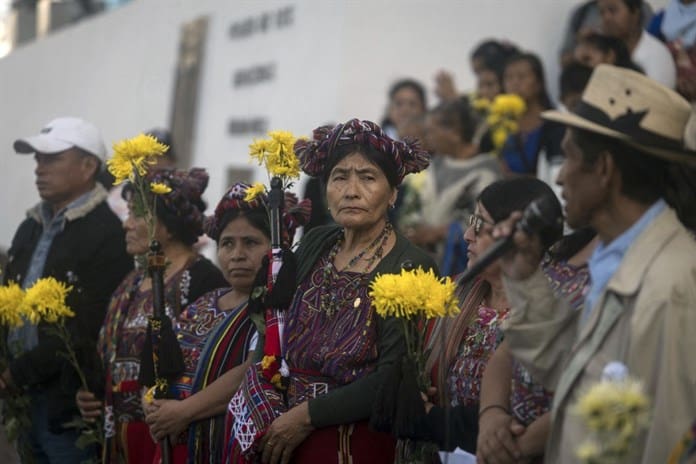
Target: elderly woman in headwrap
(216, 332)
(336, 347)
(188, 276)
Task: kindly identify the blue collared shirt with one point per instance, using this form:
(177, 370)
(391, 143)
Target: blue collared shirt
(26, 337)
(606, 259)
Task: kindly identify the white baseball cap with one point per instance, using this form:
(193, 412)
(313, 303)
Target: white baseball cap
(62, 134)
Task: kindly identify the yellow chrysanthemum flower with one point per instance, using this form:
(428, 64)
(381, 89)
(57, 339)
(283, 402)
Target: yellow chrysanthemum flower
(121, 169)
(257, 150)
(614, 412)
(633, 397)
(254, 191)
(503, 114)
(45, 300)
(281, 141)
(277, 154)
(588, 452)
(607, 404)
(143, 164)
(159, 188)
(286, 138)
(11, 297)
(494, 119)
(499, 137)
(416, 180)
(413, 293)
(287, 166)
(481, 104)
(441, 302)
(508, 104)
(149, 396)
(132, 155)
(140, 146)
(267, 361)
(510, 126)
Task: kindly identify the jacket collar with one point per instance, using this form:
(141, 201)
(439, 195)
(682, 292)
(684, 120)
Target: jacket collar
(629, 276)
(625, 282)
(95, 198)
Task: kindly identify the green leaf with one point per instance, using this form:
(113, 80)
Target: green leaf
(259, 322)
(76, 423)
(12, 429)
(258, 292)
(86, 439)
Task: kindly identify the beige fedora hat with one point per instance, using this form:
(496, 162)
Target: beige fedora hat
(631, 107)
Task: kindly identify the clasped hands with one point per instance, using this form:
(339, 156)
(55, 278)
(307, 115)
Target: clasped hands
(285, 434)
(165, 418)
(498, 439)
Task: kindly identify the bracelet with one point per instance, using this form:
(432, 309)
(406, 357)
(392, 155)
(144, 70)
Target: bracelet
(492, 406)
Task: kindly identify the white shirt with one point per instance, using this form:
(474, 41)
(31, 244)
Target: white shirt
(656, 60)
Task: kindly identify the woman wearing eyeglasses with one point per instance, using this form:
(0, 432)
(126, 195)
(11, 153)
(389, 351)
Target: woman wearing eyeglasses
(461, 346)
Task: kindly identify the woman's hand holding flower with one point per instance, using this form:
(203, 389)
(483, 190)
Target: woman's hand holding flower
(90, 407)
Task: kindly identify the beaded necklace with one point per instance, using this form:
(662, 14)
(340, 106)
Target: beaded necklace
(329, 298)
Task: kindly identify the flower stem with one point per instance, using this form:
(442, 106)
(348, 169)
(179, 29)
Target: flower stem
(95, 427)
(72, 356)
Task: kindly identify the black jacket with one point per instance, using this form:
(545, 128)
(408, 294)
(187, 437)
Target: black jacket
(90, 255)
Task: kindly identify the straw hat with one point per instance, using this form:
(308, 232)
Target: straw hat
(631, 107)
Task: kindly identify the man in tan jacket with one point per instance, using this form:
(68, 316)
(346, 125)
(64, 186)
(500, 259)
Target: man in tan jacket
(625, 139)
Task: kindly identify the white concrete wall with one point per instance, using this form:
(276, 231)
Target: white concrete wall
(115, 70)
(336, 61)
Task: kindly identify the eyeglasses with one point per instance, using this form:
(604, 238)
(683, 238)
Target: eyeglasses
(477, 221)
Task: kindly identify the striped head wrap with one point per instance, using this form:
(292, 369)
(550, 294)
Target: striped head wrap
(295, 213)
(314, 154)
(233, 199)
(184, 205)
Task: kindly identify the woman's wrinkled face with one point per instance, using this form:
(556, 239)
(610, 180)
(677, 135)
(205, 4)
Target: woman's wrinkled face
(479, 239)
(520, 79)
(617, 19)
(241, 248)
(358, 193)
(137, 236)
(405, 105)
